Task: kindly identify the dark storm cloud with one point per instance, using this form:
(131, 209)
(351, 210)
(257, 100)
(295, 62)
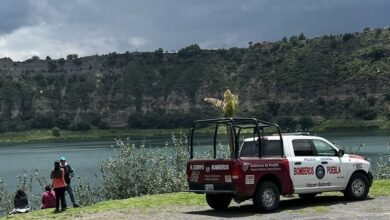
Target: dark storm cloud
(100, 26)
(14, 14)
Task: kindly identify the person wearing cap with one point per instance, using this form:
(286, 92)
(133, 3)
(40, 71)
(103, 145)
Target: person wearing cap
(68, 176)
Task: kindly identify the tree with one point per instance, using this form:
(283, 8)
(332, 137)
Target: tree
(189, 51)
(306, 123)
(227, 106)
(72, 56)
(61, 61)
(293, 38)
(348, 36)
(52, 66)
(301, 36)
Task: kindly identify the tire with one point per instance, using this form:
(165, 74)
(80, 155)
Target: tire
(219, 201)
(307, 196)
(357, 188)
(266, 197)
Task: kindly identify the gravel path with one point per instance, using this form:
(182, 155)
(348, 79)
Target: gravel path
(322, 207)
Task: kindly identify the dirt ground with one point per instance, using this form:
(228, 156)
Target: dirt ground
(322, 207)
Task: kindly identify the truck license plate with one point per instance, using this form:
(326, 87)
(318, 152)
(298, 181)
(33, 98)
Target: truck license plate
(209, 186)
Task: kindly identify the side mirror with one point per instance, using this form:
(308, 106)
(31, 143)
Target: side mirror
(341, 153)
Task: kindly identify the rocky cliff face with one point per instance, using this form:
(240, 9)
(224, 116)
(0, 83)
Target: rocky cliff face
(326, 77)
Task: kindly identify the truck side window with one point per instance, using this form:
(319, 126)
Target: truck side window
(302, 148)
(249, 149)
(269, 148)
(324, 149)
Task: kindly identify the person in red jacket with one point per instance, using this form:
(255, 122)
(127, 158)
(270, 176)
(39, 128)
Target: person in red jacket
(59, 185)
(48, 198)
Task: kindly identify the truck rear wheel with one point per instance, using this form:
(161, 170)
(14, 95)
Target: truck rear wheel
(219, 201)
(266, 197)
(357, 188)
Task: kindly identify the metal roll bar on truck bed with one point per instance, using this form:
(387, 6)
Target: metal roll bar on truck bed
(236, 125)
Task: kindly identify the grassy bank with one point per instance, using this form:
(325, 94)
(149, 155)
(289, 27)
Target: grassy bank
(144, 203)
(46, 135)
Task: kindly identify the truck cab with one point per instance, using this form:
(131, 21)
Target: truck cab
(246, 158)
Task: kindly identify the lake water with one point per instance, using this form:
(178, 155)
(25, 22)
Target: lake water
(85, 156)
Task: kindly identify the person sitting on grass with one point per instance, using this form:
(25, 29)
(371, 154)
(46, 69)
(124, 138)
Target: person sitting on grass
(20, 202)
(48, 198)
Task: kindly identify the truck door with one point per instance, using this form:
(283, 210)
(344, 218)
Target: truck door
(335, 170)
(304, 165)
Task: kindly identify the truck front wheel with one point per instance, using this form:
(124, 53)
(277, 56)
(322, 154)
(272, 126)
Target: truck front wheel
(266, 197)
(357, 188)
(218, 201)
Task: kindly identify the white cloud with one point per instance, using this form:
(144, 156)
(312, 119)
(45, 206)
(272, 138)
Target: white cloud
(26, 42)
(47, 40)
(136, 41)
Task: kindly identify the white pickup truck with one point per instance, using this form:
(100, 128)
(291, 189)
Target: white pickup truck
(263, 167)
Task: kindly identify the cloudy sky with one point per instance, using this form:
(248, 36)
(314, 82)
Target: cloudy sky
(59, 27)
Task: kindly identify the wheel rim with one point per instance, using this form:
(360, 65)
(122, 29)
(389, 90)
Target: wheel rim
(268, 197)
(358, 187)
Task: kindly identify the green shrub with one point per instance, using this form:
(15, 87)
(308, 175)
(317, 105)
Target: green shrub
(138, 170)
(56, 132)
(6, 199)
(86, 193)
(382, 170)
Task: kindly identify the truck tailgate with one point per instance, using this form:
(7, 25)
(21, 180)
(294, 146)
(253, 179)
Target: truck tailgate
(210, 175)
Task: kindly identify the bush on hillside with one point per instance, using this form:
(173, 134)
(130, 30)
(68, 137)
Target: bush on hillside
(56, 132)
